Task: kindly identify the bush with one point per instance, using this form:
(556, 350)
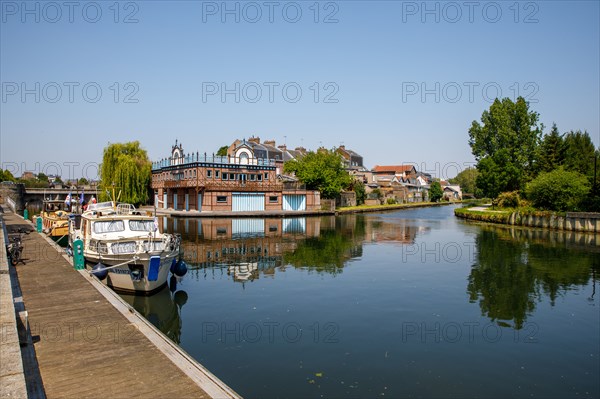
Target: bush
(391, 201)
(509, 199)
(435, 191)
(558, 190)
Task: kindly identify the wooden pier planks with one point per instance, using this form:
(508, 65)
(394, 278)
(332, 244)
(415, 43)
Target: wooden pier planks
(84, 346)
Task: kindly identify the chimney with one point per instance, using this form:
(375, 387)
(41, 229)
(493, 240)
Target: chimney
(282, 147)
(270, 142)
(254, 140)
(342, 147)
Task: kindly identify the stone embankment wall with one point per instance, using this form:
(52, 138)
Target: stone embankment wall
(572, 221)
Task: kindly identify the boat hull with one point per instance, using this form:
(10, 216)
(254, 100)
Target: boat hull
(134, 277)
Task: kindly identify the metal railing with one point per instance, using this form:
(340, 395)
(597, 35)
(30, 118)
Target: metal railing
(215, 159)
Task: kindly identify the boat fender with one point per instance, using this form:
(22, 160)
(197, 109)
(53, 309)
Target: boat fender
(172, 268)
(180, 268)
(173, 283)
(99, 270)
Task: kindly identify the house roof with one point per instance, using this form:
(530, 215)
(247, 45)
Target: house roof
(455, 188)
(349, 152)
(395, 169)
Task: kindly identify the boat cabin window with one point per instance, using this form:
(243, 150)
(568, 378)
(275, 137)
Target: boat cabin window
(110, 226)
(142, 225)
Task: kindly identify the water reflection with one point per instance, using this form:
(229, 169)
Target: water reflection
(162, 309)
(408, 321)
(514, 268)
(246, 249)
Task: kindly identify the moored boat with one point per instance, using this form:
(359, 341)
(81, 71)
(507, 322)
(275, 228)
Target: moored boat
(55, 219)
(125, 248)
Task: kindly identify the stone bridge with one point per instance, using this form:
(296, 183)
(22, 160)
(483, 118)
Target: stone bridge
(18, 197)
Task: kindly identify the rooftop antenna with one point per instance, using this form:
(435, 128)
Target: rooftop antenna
(284, 140)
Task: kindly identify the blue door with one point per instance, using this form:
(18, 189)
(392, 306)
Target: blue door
(294, 202)
(244, 202)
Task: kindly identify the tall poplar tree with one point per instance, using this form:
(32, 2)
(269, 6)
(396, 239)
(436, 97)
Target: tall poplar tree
(551, 152)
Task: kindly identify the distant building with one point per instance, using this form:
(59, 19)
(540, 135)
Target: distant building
(247, 179)
(452, 192)
(352, 160)
(28, 176)
(384, 175)
(402, 182)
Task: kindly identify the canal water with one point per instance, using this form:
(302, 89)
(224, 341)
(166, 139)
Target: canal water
(414, 303)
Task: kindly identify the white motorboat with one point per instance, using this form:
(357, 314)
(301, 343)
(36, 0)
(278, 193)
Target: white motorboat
(125, 248)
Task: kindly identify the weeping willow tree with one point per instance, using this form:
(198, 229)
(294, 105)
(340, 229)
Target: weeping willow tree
(126, 165)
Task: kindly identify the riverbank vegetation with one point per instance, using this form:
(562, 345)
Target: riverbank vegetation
(519, 167)
(322, 170)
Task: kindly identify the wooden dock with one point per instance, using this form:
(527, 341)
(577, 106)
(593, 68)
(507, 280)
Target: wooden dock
(88, 343)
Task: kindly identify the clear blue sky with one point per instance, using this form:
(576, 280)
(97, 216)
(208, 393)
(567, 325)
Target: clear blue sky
(374, 57)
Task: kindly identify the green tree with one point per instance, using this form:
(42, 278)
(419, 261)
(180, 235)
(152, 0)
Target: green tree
(126, 165)
(322, 170)
(222, 152)
(359, 190)
(42, 177)
(579, 153)
(466, 179)
(551, 152)
(83, 182)
(6, 175)
(58, 180)
(559, 190)
(504, 145)
(435, 191)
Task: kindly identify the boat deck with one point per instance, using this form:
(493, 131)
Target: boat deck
(84, 345)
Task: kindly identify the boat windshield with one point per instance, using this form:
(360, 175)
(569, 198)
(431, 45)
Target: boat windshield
(109, 226)
(99, 205)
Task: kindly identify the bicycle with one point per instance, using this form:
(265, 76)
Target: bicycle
(15, 248)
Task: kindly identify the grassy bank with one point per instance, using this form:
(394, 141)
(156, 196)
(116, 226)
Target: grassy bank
(491, 216)
(387, 207)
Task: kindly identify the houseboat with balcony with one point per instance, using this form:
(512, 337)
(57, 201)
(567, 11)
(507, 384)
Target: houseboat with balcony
(248, 178)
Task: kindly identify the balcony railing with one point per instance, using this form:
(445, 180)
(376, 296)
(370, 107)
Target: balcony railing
(222, 185)
(214, 159)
